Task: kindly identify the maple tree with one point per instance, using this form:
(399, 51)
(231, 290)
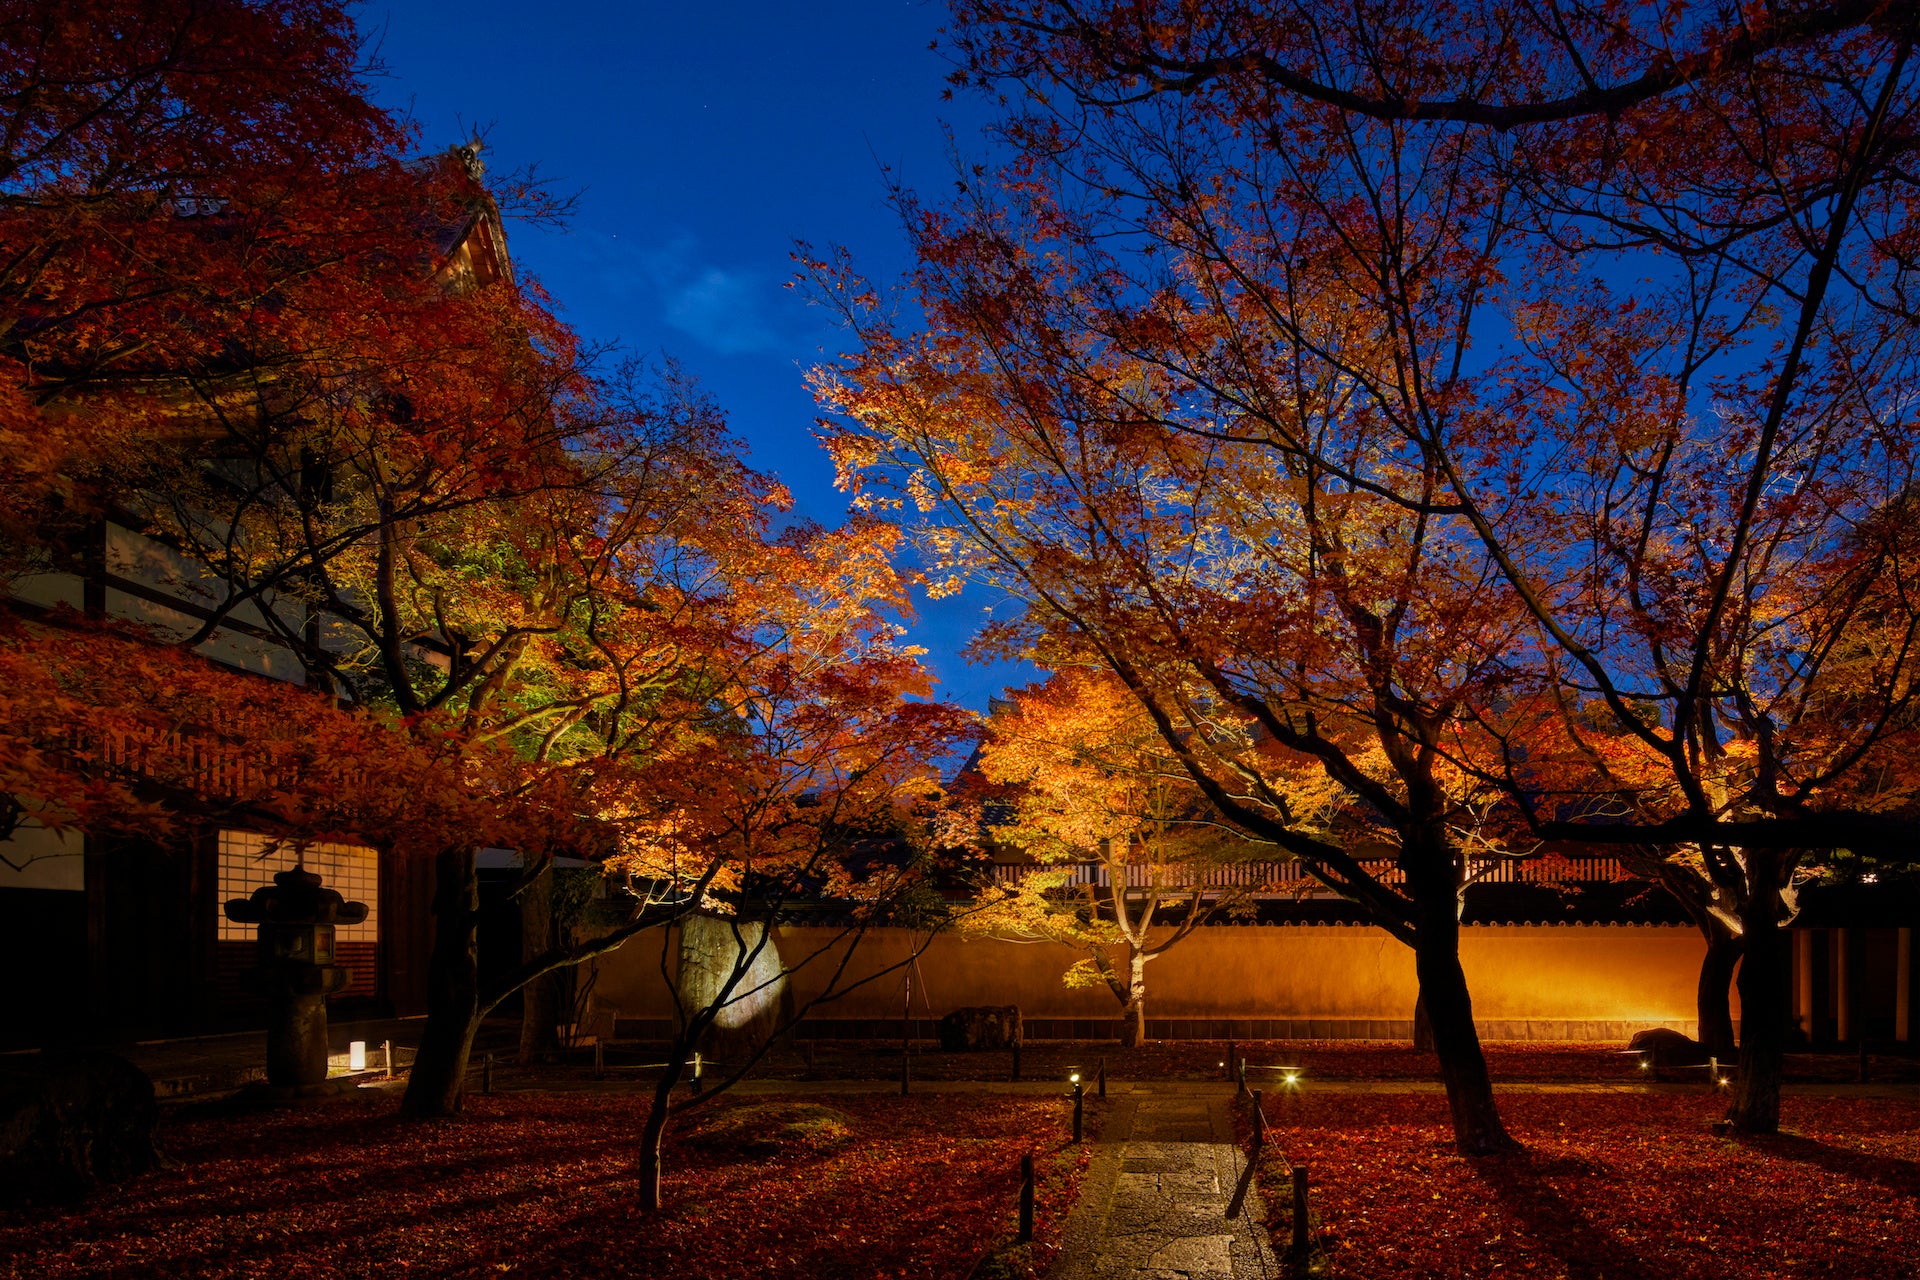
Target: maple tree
(108, 732)
(815, 776)
(1510, 397)
(1085, 779)
(249, 326)
(165, 166)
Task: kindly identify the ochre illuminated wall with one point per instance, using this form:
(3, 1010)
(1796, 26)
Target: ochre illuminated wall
(1528, 981)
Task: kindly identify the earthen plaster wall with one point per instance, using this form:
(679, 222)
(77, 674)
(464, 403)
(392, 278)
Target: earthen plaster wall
(1528, 981)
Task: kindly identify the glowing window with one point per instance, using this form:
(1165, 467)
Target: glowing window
(248, 861)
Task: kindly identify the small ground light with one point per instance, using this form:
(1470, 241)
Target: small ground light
(357, 1056)
(1074, 1078)
(1293, 1077)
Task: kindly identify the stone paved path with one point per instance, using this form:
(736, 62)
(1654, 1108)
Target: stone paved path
(1153, 1206)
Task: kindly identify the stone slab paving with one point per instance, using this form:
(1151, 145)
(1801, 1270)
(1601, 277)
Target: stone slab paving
(1153, 1206)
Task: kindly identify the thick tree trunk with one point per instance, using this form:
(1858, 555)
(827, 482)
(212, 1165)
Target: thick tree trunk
(1755, 1107)
(1477, 1130)
(1713, 1001)
(1133, 1016)
(1422, 1025)
(453, 992)
(539, 999)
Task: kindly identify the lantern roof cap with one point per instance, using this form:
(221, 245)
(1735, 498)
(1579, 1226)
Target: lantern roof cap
(295, 897)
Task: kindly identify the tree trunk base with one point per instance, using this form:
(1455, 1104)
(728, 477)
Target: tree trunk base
(439, 1075)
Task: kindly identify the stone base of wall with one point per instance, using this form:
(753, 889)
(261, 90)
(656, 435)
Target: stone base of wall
(1533, 1029)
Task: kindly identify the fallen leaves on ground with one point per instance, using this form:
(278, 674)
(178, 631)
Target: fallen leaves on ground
(545, 1185)
(1612, 1186)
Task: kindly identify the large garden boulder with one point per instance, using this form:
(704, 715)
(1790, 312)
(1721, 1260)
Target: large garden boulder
(712, 950)
(991, 1026)
(69, 1121)
(1666, 1047)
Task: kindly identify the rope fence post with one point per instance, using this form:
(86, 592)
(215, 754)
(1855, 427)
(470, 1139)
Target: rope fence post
(1245, 1184)
(1026, 1198)
(1302, 1238)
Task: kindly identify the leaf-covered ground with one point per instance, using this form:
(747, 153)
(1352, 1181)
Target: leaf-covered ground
(545, 1185)
(1611, 1187)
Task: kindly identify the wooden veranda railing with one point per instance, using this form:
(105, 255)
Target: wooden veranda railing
(1290, 877)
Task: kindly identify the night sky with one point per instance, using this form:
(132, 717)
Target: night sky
(705, 139)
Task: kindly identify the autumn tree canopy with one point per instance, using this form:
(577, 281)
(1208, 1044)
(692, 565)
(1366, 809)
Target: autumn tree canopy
(536, 595)
(1504, 410)
(1079, 776)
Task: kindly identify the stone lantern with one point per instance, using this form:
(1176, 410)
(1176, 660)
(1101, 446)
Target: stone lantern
(296, 918)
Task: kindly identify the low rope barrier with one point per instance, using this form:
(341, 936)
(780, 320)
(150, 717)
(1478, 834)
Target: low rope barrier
(1303, 1254)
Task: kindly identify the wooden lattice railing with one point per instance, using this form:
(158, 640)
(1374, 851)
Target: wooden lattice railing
(1290, 877)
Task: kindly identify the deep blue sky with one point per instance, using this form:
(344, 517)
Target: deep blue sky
(706, 136)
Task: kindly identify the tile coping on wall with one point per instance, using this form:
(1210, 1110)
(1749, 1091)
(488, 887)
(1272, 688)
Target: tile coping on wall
(1037, 1028)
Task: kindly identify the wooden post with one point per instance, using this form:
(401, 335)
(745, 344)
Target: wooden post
(698, 1064)
(1242, 1090)
(389, 1056)
(1803, 981)
(1301, 1240)
(1026, 1197)
(1903, 987)
(486, 1074)
(1239, 1198)
(1857, 981)
(1847, 963)
(1103, 1077)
